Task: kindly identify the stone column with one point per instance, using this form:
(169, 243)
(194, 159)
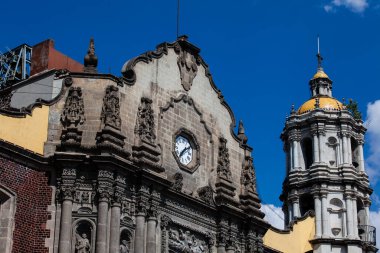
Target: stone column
(101, 233)
(350, 222)
(295, 155)
(294, 200)
(67, 191)
(355, 218)
(291, 163)
(315, 148)
(318, 215)
(320, 146)
(115, 227)
(151, 229)
(361, 156)
(325, 216)
(345, 149)
(140, 227)
(105, 182)
(119, 190)
(349, 150)
(66, 217)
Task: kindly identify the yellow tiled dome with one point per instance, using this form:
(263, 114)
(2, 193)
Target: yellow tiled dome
(325, 103)
(320, 74)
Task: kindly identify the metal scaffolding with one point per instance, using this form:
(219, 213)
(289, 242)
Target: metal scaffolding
(15, 65)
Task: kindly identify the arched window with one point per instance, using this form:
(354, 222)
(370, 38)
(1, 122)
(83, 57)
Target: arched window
(307, 151)
(306, 203)
(7, 212)
(354, 152)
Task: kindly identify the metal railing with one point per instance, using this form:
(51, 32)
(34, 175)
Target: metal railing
(367, 234)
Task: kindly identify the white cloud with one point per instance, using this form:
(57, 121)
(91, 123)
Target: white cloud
(373, 139)
(358, 6)
(273, 215)
(374, 218)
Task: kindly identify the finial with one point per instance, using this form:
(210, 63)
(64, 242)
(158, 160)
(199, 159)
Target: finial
(91, 60)
(241, 133)
(292, 110)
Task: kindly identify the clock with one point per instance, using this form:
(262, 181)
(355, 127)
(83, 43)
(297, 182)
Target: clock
(183, 150)
(186, 150)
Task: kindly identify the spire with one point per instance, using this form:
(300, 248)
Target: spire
(91, 60)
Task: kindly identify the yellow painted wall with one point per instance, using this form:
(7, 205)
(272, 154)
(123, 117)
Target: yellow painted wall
(29, 132)
(295, 241)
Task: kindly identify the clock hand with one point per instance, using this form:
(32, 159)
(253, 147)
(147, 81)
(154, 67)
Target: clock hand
(184, 150)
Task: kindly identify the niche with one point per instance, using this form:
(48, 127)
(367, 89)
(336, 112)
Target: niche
(307, 152)
(83, 236)
(125, 241)
(354, 152)
(306, 204)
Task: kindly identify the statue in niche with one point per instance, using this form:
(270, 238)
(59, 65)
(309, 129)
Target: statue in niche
(124, 248)
(82, 244)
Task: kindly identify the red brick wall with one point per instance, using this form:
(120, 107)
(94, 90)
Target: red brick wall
(32, 200)
(45, 57)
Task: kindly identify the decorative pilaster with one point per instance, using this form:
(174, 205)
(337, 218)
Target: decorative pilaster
(294, 138)
(221, 239)
(318, 215)
(145, 151)
(325, 215)
(314, 132)
(361, 154)
(225, 190)
(66, 192)
(164, 223)
(141, 212)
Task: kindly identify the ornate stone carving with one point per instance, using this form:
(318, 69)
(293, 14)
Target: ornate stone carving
(145, 121)
(187, 61)
(241, 133)
(91, 60)
(73, 112)
(188, 68)
(186, 242)
(223, 168)
(178, 182)
(145, 151)
(111, 108)
(165, 221)
(248, 177)
(72, 116)
(206, 194)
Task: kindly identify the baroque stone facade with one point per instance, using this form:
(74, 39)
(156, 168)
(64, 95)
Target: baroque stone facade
(148, 162)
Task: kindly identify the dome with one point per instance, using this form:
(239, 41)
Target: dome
(320, 74)
(325, 103)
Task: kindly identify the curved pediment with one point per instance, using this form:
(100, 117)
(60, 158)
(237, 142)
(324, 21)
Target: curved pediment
(189, 66)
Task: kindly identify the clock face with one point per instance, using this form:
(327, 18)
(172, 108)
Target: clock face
(183, 150)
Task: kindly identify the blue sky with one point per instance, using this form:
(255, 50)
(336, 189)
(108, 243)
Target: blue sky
(261, 54)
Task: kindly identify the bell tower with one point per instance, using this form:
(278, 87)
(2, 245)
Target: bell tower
(325, 173)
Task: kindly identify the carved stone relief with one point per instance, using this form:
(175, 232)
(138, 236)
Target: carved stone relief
(145, 121)
(223, 168)
(248, 178)
(206, 194)
(188, 68)
(72, 116)
(5, 100)
(178, 182)
(111, 108)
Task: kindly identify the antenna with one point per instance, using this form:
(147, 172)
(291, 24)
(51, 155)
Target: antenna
(178, 8)
(319, 56)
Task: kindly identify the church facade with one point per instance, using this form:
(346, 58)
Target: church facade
(150, 162)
